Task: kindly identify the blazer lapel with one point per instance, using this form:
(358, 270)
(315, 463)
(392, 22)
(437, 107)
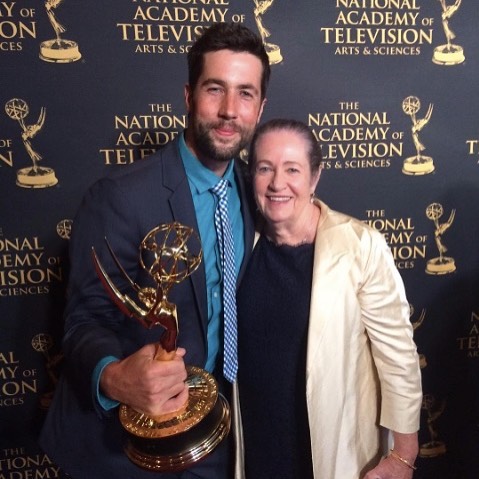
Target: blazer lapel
(183, 211)
(329, 260)
(247, 209)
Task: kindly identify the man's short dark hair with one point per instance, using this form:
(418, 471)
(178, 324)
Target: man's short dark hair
(227, 36)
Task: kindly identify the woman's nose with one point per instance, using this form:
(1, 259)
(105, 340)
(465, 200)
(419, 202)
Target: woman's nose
(277, 181)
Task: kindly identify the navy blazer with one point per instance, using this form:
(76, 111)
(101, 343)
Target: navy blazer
(81, 438)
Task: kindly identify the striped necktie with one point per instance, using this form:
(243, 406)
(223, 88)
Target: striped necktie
(227, 255)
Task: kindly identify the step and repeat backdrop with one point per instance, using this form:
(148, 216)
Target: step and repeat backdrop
(389, 88)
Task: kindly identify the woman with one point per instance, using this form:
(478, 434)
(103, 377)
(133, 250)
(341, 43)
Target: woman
(326, 354)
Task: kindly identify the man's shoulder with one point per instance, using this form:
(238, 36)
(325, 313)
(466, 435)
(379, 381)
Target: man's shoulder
(167, 153)
(160, 171)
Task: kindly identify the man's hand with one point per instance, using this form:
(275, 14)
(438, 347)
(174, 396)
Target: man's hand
(145, 384)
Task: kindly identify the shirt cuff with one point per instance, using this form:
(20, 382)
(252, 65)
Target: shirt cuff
(105, 402)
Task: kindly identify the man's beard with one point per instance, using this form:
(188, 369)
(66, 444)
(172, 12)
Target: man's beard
(216, 151)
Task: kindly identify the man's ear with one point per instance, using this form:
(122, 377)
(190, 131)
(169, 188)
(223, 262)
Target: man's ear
(188, 97)
(261, 108)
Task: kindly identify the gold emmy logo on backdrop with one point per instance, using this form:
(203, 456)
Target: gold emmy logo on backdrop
(177, 440)
(58, 50)
(36, 176)
(434, 447)
(64, 229)
(448, 54)
(418, 164)
(415, 325)
(441, 264)
(273, 51)
(42, 343)
(244, 155)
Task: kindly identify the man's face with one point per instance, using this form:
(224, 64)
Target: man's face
(224, 108)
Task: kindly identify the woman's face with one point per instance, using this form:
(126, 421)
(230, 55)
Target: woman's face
(282, 178)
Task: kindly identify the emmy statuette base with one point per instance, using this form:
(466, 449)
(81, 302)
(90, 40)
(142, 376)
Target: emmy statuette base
(59, 51)
(274, 53)
(432, 449)
(415, 167)
(422, 361)
(444, 55)
(186, 449)
(178, 442)
(439, 266)
(39, 178)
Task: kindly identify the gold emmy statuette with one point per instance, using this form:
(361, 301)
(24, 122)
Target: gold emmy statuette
(442, 264)
(418, 164)
(58, 50)
(36, 176)
(273, 51)
(174, 441)
(42, 343)
(434, 447)
(448, 54)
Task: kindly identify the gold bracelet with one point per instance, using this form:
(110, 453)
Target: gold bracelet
(396, 456)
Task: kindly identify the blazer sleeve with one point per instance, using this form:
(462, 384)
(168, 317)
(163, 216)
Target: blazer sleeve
(94, 327)
(385, 313)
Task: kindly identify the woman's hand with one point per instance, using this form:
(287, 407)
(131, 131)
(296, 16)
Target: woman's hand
(399, 464)
(390, 468)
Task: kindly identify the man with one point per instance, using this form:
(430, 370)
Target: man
(110, 357)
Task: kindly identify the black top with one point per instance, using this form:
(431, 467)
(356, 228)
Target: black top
(273, 317)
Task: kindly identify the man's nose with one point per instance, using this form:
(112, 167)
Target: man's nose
(229, 106)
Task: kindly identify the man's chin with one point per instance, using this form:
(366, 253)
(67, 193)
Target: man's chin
(220, 149)
(222, 153)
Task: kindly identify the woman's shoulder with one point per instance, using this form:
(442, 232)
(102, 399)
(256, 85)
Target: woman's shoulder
(343, 225)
